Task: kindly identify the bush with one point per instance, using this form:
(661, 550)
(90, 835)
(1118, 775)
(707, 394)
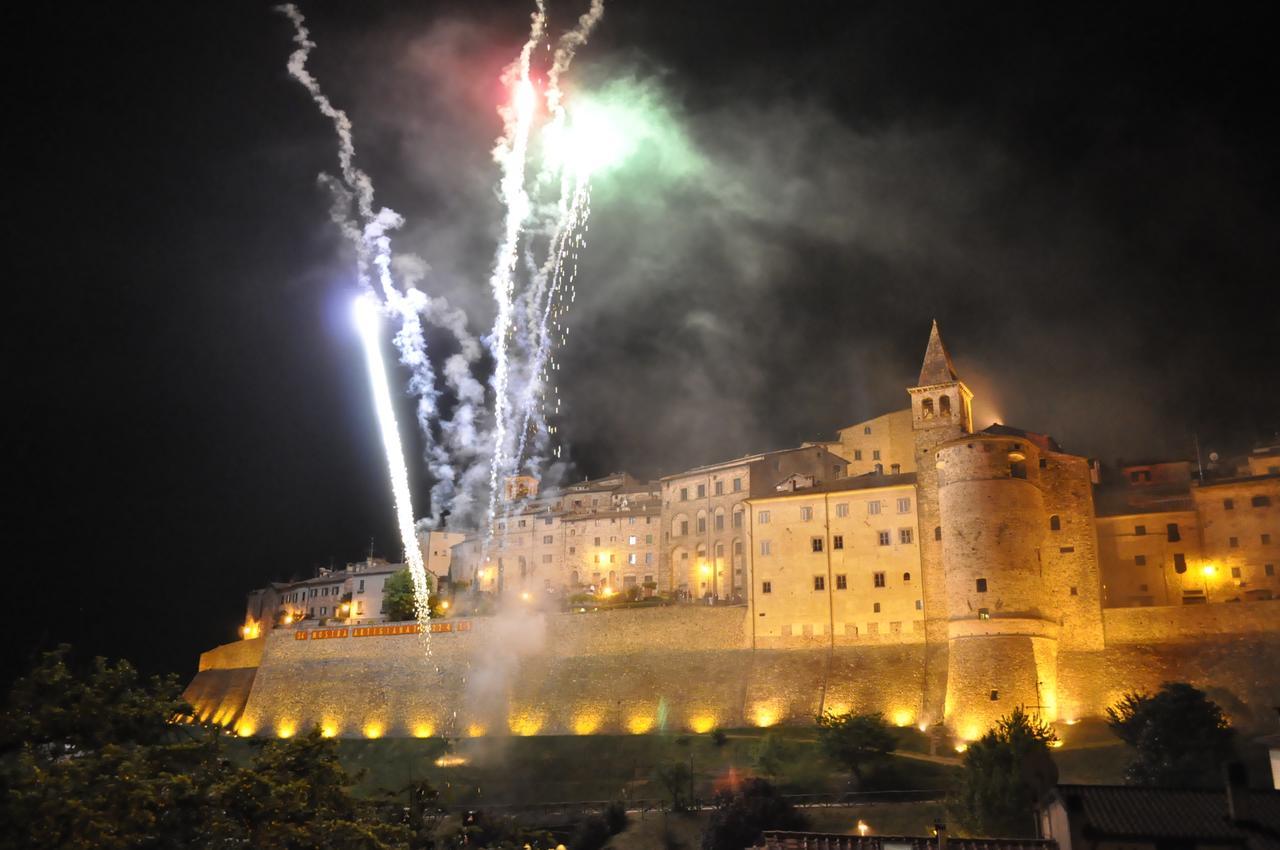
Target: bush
(1006, 772)
(740, 817)
(1181, 738)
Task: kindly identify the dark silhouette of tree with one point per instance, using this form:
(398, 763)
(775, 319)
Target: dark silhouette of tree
(1005, 774)
(1180, 737)
(858, 742)
(741, 816)
(676, 778)
(106, 759)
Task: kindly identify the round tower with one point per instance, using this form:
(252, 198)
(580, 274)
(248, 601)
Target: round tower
(1002, 631)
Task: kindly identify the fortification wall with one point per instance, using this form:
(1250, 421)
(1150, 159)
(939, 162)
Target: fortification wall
(1189, 623)
(690, 669)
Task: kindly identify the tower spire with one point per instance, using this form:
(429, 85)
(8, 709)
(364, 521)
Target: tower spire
(937, 367)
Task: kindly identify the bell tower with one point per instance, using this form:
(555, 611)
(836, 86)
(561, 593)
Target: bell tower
(941, 410)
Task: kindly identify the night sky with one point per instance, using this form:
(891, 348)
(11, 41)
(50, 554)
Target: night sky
(1085, 198)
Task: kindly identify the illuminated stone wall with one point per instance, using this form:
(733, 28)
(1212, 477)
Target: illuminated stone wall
(691, 669)
(886, 440)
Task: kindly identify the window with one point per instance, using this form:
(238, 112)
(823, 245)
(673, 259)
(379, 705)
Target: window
(995, 695)
(1261, 501)
(1235, 572)
(905, 536)
(894, 469)
(765, 547)
(1179, 563)
(819, 582)
(737, 519)
(857, 454)
(762, 517)
(1174, 534)
(1140, 560)
(1074, 592)
(631, 540)
(944, 405)
(546, 559)
(573, 550)
(1055, 523)
(648, 539)
(1139, 530)
(984, 613)
(875, 608)
(684, 494)
(904, 506)
(884, 537)
(1233, 542)
(906, 577)
(1066, 550)
(982, 585)
(1018, 469)
(937, 532)
(877, 579)
(547, 538)
(926, 409)
(766, 587)
(361, 589)
(842, 509)
(648, 560)
(919, 604)
(816, 544)
(702, 525)
(1269, 569)
(1228, 504)
(875, 454)
(719, 488)
(1266, 539)
(684, 527)
(842, 582)
(837, 541)
(597, 541)
(737, 485)
(873, 508)
(719, 522)
(702, 491)
(866, 429)
(806, 513)
(324, 610)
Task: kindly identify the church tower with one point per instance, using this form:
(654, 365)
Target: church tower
(941, 410)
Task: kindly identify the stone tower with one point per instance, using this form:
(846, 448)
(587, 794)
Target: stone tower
(941, 410)
(1003, 617)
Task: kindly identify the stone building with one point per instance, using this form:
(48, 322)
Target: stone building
(705, 532)
(349, 595)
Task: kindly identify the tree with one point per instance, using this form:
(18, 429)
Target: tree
(741, 816)
(1005, 773)
(103, 758)
(677, 778)
(399, 601)
(858, 742)
(1181, 738)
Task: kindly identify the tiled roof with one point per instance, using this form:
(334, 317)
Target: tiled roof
(778, 840)
(1121, 811)
(839, 485)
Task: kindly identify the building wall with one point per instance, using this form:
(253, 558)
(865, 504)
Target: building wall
(886, 441)
(1125, 541)
(1241, 541)
(709, 558)
(692, 668)
(880, 600)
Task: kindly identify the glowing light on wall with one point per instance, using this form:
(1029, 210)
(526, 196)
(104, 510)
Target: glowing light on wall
(475, 730)
(373, 729)
(525, 724)
(423, 730)
(450, 761)
(245, 730)
(586, 724)
(765, 716)
(903, 718)
(702, 723)
(639, 724)
(286, 729)
(328, 729)
(960, 748)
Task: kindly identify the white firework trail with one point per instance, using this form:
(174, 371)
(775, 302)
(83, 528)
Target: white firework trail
(510, 154)
(372, 245)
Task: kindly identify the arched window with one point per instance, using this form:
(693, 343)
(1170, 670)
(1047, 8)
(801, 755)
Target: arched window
(937, 532)
(702, 522)
(906, 576)
(879, 469)
(719, 519)
(1055, 524)
(944, 405)
(926, 409)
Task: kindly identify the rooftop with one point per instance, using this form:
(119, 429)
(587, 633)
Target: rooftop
(751, 458)
(779, 840)
(869, 481)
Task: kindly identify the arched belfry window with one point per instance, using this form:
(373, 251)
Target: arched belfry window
(926, 409)
(1055, 523)
(944, 405)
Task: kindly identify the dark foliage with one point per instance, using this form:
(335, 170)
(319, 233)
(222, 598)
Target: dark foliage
(1006, 772)
(741, 816)
(1181, 738)
(858, 742)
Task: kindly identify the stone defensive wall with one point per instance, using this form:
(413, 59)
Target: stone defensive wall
(683, 668)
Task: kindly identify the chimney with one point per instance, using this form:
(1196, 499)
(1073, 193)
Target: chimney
(1237, 791)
